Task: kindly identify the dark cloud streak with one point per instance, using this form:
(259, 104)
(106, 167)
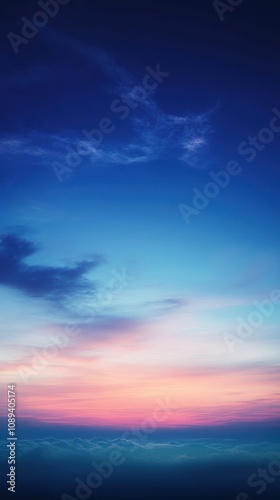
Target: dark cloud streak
(48, 282)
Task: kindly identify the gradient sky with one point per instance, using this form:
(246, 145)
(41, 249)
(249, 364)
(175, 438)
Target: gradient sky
(160, 332)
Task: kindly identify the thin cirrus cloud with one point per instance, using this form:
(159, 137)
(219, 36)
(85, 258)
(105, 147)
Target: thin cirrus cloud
(27, 145)
(155, 135)
(151, 133)
(41, 281)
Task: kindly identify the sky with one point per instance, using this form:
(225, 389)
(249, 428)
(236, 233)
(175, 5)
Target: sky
(139, 243)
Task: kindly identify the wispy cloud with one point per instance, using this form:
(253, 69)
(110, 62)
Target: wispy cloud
(151, 133)
(180, 137)
(26, 145)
